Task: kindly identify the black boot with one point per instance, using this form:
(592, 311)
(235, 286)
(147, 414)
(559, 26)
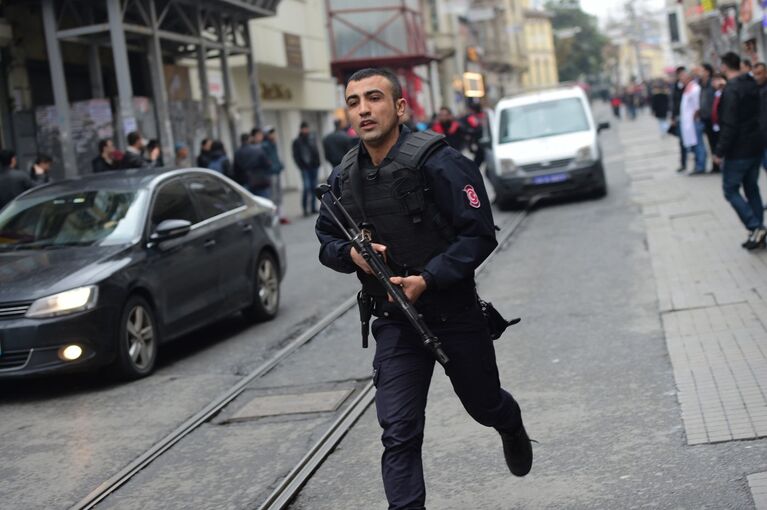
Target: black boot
(518, 451)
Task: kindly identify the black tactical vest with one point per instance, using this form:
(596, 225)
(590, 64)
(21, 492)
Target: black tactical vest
(396, 205)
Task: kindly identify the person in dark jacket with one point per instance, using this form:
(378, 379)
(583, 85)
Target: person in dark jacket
(218, 161)
(40, 172)
(13, 182)
(307, 158)
(134, 154)
(676, 104)
(760, 75)
(706, 104)
(104, 162)
(337, 144)
(436, 273)
(252, 168)
(269, 146)
(739, 149)
(446, 125)
(659, 103)
(202, 158)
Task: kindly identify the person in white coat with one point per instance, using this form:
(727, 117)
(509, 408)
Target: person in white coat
(691, 126)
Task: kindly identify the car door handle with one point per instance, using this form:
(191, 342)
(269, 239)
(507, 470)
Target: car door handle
(247, 228)
(210, 243)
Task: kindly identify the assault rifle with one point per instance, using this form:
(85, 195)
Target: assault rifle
(361, 242)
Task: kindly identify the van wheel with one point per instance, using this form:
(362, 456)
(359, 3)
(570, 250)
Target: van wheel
(266, 290)
(138, 339)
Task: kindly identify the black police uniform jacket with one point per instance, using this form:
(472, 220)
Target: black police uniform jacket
(454, 186)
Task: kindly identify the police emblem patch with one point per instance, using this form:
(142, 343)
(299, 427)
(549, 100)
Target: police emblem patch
(472, 196)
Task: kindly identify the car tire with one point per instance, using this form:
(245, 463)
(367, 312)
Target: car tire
(266, 290)
(138, 339)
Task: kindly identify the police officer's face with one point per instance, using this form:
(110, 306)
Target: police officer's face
(373, 112)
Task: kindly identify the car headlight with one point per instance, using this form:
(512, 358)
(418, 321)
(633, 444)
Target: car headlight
(508, 166)
(584, 155)
(70, 301)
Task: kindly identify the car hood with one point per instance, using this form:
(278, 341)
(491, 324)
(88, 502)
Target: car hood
(549, 148)
(26, 275)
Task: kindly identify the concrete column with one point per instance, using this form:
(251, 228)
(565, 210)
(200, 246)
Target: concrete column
(126, 118)
(59, 84)
(255, 89)
(229, 102)
(159, 90)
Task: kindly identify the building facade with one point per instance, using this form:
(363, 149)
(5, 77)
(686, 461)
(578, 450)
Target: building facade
(542, 59)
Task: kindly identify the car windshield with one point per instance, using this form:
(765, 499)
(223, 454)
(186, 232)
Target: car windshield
(83, 218)
(538, 120)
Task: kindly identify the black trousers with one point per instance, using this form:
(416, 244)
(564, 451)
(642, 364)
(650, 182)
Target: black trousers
(402, 374)
(713, 139)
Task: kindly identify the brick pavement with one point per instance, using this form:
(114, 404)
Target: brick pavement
(712, 294)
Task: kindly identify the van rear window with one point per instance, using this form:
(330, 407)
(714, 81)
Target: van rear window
(538, 120)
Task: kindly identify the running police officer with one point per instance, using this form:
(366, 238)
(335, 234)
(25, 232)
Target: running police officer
(429, 216)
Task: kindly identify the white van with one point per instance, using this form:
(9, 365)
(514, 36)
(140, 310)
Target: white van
(545, 143)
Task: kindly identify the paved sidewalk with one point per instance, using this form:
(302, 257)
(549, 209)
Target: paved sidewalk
(711, 293)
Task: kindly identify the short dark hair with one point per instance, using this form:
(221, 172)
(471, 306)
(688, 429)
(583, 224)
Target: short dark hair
(244, 138)
(709, 69)
(152, 144)
(43, 158)
(6, 156)
(337, 124)
(103, 143)
(731, 60)
(217, 145)
(746, 62)
(368, 72)
(680, 69)
(304, 124)
(133, 137)
(255, 131)
(447, 109)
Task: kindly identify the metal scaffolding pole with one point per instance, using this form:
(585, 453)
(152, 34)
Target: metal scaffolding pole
(202, 69)
(127, 119)
(255, 95)
(227, 76)
(94, 71)
(59, 84)
(158, 89)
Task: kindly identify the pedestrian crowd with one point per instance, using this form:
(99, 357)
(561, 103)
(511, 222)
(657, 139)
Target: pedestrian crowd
(723, 114)
(256, 163)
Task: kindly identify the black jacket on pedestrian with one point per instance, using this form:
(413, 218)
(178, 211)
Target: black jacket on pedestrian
(13, 182)
(252, 168)
(100, 164)
(676, 99)
(739, 136)
(305, 152)
(763, 114)
(134, 160)
(659, 105)
(336, 145)
(706, 100)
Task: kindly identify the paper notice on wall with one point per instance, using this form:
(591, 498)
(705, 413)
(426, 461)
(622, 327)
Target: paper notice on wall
(129, 125)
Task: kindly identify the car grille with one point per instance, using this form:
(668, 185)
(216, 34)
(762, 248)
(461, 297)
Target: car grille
(551, 165)
(14, 359)
(13, 310)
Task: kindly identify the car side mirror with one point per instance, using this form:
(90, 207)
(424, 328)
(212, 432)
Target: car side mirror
(602, 126)
(170, 229)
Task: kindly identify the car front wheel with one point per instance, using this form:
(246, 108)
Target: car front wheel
(266, 290)
(138, 338)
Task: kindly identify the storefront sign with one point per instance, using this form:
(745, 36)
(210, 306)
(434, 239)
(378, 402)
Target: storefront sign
(275, 92)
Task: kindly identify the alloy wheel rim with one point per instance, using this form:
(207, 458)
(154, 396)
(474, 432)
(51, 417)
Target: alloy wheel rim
(140, 338)
(268, 285)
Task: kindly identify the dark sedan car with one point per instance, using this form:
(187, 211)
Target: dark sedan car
(101, 270)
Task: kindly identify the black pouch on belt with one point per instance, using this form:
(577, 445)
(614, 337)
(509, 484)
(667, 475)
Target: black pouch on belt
(495, 321)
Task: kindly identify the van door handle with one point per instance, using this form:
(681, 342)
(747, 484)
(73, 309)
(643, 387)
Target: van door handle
(210, 243)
